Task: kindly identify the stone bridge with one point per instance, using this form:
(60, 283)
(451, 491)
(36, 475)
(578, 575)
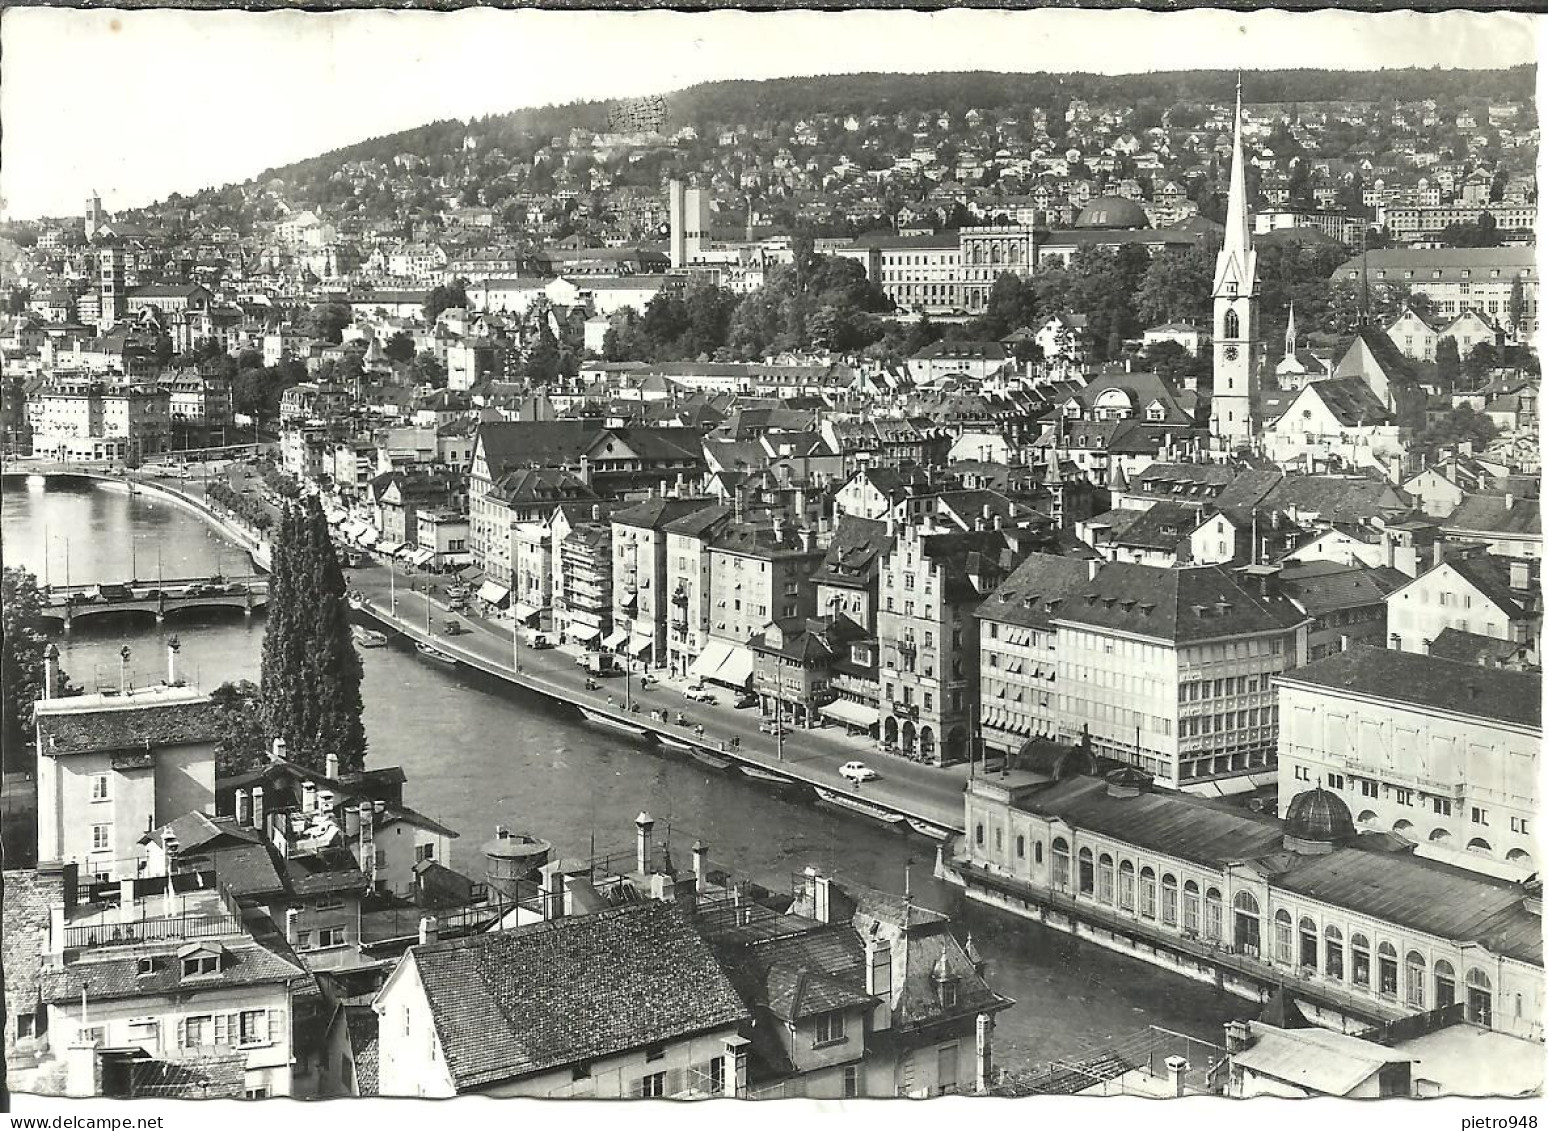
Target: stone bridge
(68, 604)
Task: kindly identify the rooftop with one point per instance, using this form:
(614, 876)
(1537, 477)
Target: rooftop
(146, 717)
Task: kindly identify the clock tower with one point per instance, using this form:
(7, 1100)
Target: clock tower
(1236, 310)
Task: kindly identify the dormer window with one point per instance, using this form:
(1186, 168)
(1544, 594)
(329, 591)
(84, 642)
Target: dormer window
(200, 965)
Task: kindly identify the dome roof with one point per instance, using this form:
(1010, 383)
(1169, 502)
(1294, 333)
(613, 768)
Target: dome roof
(1318, 815)
(1112, 212)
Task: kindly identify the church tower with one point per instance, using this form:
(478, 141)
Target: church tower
(1236, 309)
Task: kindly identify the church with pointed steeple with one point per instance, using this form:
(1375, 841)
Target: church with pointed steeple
(1236, 310)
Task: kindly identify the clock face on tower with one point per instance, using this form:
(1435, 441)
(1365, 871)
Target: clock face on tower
(1230, 353)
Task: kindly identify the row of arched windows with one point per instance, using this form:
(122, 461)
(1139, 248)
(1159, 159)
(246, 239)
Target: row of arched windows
(995, 254)
(1295, 943)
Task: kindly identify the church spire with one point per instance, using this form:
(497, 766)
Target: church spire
(1290, 333)
(1237, 235)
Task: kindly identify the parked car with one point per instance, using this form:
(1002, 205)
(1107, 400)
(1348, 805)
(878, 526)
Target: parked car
(769, 726)
(745, 700)
(857, 772)
(539, 640)
(700, 693)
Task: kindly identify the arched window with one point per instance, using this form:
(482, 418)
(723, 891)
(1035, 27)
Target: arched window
(1231, 325)
(1519, 856)
(1214, 915)
(1191, 907)
(1105, 878)
(1413, 978)
(1037, 853)
(1480, 998)
(1282, 933)
(1087, 873)
(1479, 846)
(1445, 984)
(1021, 847)
(994, 255)
(1147, 893)
(1360, 960)
(1013, 255)
(1386, 970)
(1169, 900)
(1308, 933)
(1247, 929)
(1061, 864)
(1126, 886)
(1440, 836)
(1333, 964)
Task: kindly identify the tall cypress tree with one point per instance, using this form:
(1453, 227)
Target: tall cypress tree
(311, 671)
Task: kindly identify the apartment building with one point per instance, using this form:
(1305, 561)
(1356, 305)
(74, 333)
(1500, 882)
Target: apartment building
(1440, 752)
(1456, 279)
(89, 420)
(1477, 593)
(583, 585)
(759, 572)
(1166, 669)
(688, 540)
(641, 591)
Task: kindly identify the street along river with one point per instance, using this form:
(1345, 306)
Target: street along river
(479, 754)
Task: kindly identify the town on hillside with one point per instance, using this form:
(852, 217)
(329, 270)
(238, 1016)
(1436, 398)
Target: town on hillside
(1127, 490)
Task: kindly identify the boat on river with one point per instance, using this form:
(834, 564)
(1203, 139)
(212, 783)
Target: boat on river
(613, 724)
(675, 744)
(758, 773)
(856, 805)
(927, 829)
(369, 637)
(435, 655)
(713, 761)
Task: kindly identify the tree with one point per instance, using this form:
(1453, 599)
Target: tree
(1448, 365)
(22, 649)
(428, 371)
(1012, 304)
(1460, 425)
(242, 744)
(445, 297)
(1176, 286)
(327, 321)
(310, 673)
(1516, 306)
(1483, 232)
(399, 348)
(1481, 359)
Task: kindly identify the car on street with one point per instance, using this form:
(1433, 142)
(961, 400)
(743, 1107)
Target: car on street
(857, 772)
(699, 693)
(746, 700)
(769, 726)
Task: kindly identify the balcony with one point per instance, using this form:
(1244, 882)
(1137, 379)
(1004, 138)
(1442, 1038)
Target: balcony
(905, 710)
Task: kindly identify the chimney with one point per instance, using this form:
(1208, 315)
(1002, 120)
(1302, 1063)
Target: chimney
(325, 801)
(1510, 500)
(984, 1053)
(277, 753)
(701, 863)
(1092, 566)
(585, 472)
(1343, 642)
(1176, 1066)
(429, 930)
(368, 841)
(1238, 1035)
(173, 647)
(643, 824)
(244, 808)
(999, 522)
(123, 670)
(808, 540)
(309, 797)
(821, 910)
(256, 808)
(292, 916)
(736, 1067)
(51, 672)
(331, 767)
(554, 905)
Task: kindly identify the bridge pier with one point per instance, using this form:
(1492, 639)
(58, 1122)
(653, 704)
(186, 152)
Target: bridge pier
(247, 606)
(69, 619)
(161, 608)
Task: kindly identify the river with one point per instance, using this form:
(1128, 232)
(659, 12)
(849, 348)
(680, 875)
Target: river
(478, 754)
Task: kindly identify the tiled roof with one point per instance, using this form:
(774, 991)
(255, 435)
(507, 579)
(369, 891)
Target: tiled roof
(24, 938)
(1428, 681)
(1323, 587)
(362, 1022)
(657, 513)
(1024, 597)
(116, 727)
(1490, 575)
(1495, 514)
(1471, 648)
(1351, 402)
(514, 1003)
(1164, 526)
(114, 973)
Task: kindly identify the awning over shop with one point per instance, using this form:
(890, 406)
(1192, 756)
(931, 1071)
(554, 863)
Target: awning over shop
(615, 638)
(493, 594)
(639, 645)
(471, 575)
(584, 633)
(423, 557)
(714, 654)
(368, 536)
(737, 669)
(389, 548)
(407, 551)
(851, 713)
(525, 612)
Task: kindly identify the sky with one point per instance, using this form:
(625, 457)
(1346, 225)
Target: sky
(137, 105)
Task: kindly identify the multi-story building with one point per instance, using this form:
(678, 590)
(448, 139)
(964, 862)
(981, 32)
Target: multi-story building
(111, 766)
(89, 420)
(1412, 223)
(626, 1003)
(688, 540)
(1440, 752)
(795, 670)
(1456, 279)
(1347, 602)
(986, 253)
(199, 399)
(918, 273)
(641, 591)
(1477, 593)
(1363, 931)
(583, 592)
(847, 582)
(759, 572)
(927, 637)
(1166, 669)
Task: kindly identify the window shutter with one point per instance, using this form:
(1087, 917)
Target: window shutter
(182, 1032)
(632, 1092)
(268, 1026)
(674, 1082)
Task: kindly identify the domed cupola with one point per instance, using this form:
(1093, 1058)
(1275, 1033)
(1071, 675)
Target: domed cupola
(1316, 822)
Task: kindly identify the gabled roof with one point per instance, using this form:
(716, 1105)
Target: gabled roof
(658, 512)
(120, 726)
(113, 973)
(1350, 401)
(1496, 514)
(1324, 587)
(1480, 651)
(514, 1003)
